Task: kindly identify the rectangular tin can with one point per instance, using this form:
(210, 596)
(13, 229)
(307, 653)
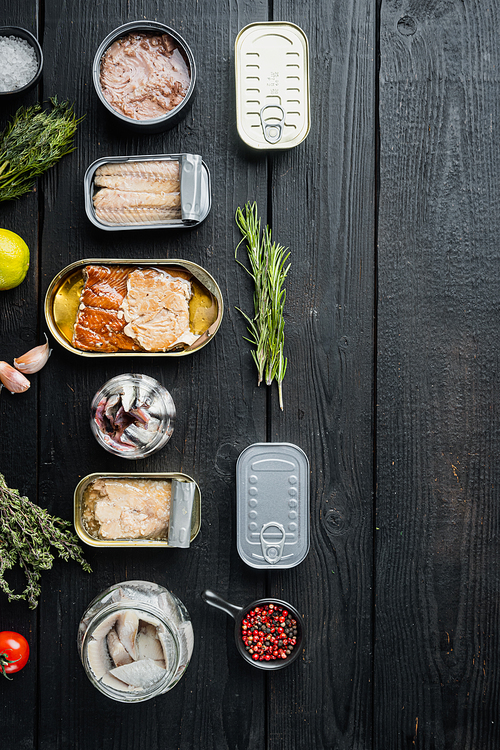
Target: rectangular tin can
(272, 85)
(63, 296)
(272, 505)
(195, 191)
(93, 542)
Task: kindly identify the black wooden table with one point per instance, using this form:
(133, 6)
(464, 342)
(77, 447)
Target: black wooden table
(390, 209)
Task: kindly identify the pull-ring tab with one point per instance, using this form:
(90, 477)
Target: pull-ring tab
(272, 130)
(272, 550)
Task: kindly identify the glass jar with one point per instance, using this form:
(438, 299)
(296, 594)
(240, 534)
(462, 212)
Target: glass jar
(132, 415)
(117, 609)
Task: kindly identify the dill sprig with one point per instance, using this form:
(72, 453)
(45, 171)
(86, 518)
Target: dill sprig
(27, 533)
(33, 142)
(268, 270)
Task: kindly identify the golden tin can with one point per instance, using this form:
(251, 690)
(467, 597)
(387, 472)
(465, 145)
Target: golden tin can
(62, 303)
(272, 85)
(85, 533)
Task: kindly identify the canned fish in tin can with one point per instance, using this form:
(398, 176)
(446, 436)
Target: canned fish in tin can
(272, 85)
(272, 505)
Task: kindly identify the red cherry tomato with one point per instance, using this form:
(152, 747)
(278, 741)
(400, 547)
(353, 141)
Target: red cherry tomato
(14, 652)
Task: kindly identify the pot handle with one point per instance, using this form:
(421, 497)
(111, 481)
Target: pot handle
(217, 601)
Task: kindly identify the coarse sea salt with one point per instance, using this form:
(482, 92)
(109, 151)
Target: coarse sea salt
(18, 63)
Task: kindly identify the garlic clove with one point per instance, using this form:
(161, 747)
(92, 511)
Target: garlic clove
(35, 359)
(14, 381)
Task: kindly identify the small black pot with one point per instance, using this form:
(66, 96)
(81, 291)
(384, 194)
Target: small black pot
(20, 33)
(239, 614)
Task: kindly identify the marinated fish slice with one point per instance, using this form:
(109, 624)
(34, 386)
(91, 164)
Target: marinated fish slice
(149, 647)
(139, 674)
(138, 183)
(138, 435)
(127, 625)
(128, 396)
(98, 656)
(137, 215)
(108, 198)
(103, 629)
(117, 650)
(162, 168)
(114, 682)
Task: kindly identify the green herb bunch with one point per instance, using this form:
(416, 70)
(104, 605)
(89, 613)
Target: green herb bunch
(27, 532)
(268, 270)
(33, 142)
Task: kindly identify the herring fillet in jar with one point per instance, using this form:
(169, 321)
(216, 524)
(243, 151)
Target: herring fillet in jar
(135, 641)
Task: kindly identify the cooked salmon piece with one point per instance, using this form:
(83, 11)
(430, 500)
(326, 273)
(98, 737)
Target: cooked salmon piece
(100, 323)
(115, 276)
(139, 215)
(102, 295)
(156, 308)
(101, 331)
(167, 169)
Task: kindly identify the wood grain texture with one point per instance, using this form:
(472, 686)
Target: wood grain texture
(437, 563)
(323, 195)
(219, 703)
(20, 330)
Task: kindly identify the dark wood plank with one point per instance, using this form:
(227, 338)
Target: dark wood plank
(219, 703)
(323, 209)
(20, 330)
(437, 660)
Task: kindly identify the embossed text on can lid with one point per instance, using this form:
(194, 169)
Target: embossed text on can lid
(272, 505)
(272, 85)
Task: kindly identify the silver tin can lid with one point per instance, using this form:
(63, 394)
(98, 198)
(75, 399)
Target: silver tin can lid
(272, 85)
(272, 505)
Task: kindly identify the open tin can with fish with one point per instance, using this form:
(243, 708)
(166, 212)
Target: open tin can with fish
(144, 73)
(272, 85)
(166, 191)
(156, 509)
(119, 307)
(135, 640)
(272, 505)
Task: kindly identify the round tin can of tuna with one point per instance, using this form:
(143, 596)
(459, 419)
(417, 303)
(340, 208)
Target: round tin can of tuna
(167, 42)
(272, 85)
(272, 505)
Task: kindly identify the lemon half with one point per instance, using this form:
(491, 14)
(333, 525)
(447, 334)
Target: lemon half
(14, 259)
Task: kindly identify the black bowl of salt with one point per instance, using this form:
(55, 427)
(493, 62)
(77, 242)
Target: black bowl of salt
(21, 60)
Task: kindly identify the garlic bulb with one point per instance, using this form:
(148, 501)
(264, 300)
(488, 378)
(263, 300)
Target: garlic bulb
(35, 359)
(14, 381)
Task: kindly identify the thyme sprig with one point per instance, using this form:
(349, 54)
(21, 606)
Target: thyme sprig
(27, 533)
(34, 141)
(268, 269)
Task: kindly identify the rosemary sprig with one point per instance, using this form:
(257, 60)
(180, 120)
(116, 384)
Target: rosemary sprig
(27, 533)
(33, 142)
(268, 270)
